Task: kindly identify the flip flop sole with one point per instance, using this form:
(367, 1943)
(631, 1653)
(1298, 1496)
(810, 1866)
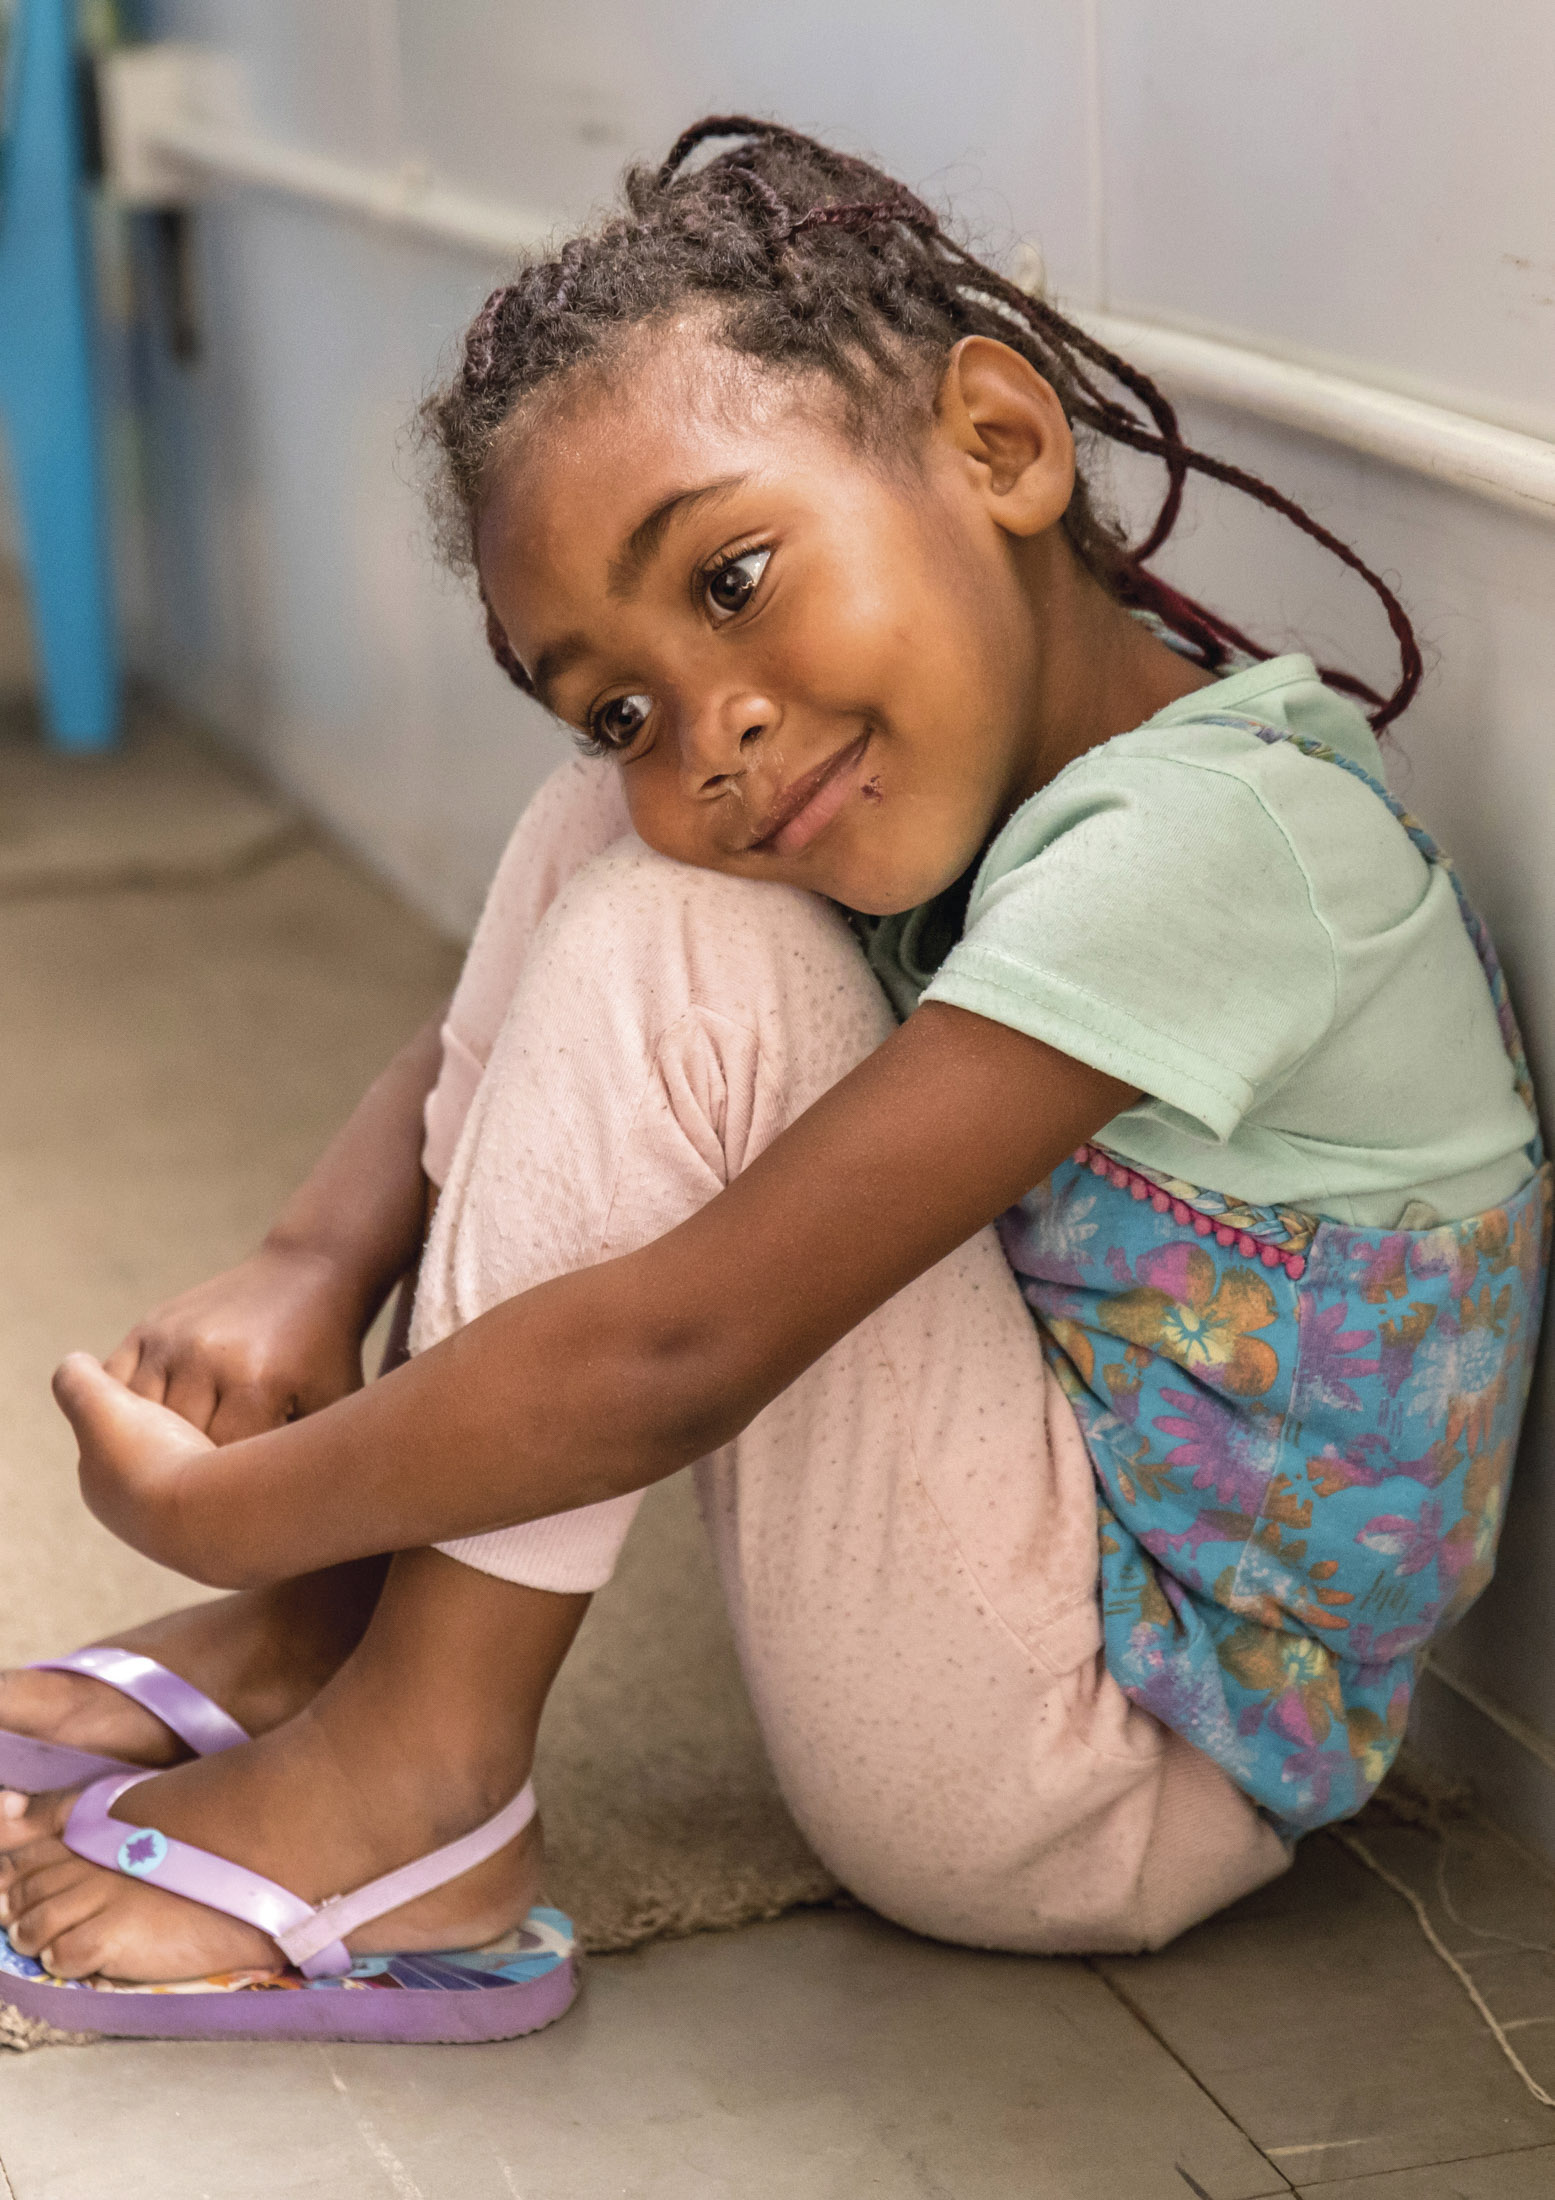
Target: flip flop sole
(497, 1993)
(33, 1766)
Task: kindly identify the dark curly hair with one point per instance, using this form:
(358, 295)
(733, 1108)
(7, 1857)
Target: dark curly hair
(816, 262)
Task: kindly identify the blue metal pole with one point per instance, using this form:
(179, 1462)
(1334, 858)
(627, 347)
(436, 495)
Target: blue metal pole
(47, 397)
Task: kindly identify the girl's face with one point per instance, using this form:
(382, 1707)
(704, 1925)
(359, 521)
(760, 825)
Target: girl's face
(811, 667)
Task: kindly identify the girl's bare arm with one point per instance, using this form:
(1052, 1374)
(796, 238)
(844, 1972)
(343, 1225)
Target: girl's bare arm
(607, 1379)
(280, 1335)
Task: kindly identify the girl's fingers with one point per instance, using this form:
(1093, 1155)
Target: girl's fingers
(192, 1395)
(150, 1376)
(133, 1459)
(130, 1452)
(124, 1359)
(79, 1382)
(117, 1420)
(246, 1411)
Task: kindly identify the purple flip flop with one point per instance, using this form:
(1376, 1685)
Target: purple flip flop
(32, 1766)
(526, 1979)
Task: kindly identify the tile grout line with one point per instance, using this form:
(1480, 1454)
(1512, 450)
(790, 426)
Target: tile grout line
(1357, 1848)
(1188, 2071)
(1452, 2161)
(399, 2177)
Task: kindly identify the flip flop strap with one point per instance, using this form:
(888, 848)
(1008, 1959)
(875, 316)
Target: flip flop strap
(342, 1913)
(177, 1703)
(311, 1938)
(142, 1852)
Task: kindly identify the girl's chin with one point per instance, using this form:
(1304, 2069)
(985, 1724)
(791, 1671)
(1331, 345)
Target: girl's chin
(880, 891)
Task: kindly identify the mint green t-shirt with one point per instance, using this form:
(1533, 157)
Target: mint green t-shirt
(1247, 935)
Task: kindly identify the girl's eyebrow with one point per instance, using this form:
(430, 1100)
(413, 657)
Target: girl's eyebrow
(552, 663)
(641, 546)
(625, 573)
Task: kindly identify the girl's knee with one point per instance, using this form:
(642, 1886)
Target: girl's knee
(668, 1024)
(660, 940)
(631, 892)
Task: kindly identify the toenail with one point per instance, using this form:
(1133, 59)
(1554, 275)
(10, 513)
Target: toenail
(46, 1958)
(13, 1805)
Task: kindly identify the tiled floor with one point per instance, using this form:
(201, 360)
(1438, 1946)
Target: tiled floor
(1307, 2042)
(172, 1058)
(1320, 2021)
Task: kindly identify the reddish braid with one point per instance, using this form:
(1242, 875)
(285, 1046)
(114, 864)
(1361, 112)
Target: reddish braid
(818, 261)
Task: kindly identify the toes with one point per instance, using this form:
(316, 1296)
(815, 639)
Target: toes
(47, 1922)
(32, 1858)
(28, 1818)
(76, 1951)
(25, 1889)
(14, 1807)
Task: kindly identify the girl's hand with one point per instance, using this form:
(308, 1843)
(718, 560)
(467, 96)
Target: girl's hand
(274, 1338)
(131, 1452)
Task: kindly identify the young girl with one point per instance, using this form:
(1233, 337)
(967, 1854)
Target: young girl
(1059, 1630)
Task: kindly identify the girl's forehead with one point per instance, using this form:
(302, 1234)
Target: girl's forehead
(669, 416)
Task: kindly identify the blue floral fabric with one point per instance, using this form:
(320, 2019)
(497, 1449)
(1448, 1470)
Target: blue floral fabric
(1302, 1433)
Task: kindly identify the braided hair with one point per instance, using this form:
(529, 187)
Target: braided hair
(814, 261)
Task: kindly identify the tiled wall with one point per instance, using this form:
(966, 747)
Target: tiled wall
(1372, 186)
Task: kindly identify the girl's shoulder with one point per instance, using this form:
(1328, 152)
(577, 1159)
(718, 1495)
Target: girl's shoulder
(1227, 725)
(1218, 772)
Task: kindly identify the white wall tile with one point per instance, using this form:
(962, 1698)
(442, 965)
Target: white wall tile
(318, 73)
(971, 101)
(1368, 182)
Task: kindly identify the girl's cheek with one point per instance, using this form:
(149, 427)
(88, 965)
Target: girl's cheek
(661, 816)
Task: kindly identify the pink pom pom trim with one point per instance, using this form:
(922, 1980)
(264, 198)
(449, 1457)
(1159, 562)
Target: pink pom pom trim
(1143, 1188)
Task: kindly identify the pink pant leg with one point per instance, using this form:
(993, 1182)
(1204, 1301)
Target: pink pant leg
(907, 1537)
(577, 813)
(573, 817)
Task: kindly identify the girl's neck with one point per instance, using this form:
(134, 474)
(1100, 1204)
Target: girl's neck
(1100, 671)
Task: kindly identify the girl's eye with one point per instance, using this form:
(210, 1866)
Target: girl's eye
(619, 722)
(730, 586)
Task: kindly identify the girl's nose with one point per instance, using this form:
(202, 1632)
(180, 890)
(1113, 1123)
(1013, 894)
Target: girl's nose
(723, 740)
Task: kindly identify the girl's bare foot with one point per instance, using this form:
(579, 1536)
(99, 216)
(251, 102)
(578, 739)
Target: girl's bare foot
(79, 1920)
(262, 1655)
(426, 1731)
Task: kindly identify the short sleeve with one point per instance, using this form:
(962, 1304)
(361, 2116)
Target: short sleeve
(1152, 918)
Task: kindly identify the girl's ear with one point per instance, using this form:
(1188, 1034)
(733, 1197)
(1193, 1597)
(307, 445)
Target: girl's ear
(1006, 423)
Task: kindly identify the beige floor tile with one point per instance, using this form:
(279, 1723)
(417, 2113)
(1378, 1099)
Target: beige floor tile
(164, 805)
(161, 808)
(1318, 2017)
(1529, 2176)
(826, 2057)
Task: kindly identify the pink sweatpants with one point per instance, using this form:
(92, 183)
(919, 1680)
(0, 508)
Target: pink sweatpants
(907, 1536)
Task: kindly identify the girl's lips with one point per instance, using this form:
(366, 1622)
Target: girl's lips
(809, 805)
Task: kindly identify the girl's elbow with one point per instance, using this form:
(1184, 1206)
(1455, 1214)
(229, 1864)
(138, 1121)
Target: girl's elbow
(706, 1394)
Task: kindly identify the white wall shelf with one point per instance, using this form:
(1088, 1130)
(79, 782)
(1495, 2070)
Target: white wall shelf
(1453, 447)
